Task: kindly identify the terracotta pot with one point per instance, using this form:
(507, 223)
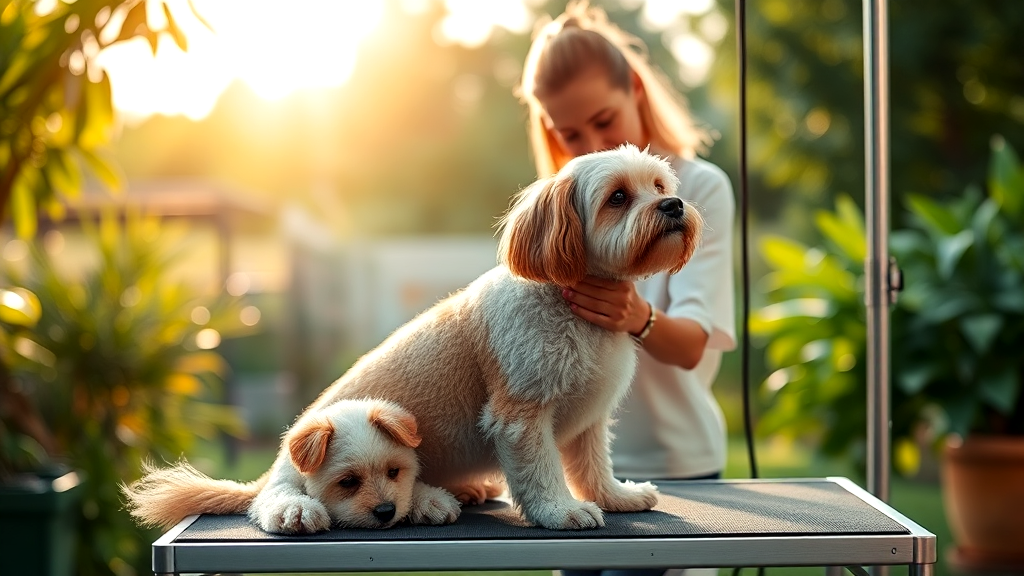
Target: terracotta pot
(983, 490)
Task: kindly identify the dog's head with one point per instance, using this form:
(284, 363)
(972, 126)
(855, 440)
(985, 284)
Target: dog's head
(613, 214)
(358, 459)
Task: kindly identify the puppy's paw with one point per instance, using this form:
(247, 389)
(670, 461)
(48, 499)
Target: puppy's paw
(432, 505)
(565, 515)
(478, 493)
(293, 515)
(629, 497)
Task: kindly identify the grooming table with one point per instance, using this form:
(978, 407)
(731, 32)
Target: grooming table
(713, 523)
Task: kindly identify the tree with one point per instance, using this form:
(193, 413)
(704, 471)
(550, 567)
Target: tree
(955, 79)
(55, 101)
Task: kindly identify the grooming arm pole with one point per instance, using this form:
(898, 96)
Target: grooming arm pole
(879, 291)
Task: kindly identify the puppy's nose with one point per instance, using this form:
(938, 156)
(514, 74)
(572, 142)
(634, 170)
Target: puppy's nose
(384, 512)
(671, 207)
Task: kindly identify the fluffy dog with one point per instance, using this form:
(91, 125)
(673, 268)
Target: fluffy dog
(359, 468)
(505, 382)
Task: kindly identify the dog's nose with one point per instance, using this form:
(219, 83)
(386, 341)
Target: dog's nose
(384, 512)
(671, 207)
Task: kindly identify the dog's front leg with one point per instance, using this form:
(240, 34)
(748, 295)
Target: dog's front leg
(523, 437)
(588, 468)
(283, 507)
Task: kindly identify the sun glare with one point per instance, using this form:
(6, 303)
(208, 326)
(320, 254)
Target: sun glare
(278, 48)
(275, 48)
(471, 22)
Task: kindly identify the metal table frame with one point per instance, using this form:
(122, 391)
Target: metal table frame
(916, 549)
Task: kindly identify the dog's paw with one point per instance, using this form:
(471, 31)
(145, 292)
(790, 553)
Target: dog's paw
(294, 515)
(432, 505)
(629, 497)
(565, 515)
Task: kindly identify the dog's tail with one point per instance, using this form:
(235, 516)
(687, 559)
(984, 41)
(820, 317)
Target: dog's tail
(165, 496)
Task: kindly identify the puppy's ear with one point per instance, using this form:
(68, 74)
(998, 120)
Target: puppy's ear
(543, 235)
(308, 442)
(396, 423)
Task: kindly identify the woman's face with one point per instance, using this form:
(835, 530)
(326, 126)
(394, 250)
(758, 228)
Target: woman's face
(590, 114)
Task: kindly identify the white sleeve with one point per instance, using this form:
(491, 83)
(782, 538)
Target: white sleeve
(703, 290)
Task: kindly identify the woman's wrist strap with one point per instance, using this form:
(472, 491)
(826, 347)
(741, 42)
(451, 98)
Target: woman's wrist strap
(640, 336)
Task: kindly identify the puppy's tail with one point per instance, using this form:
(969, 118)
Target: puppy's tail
(164, 496)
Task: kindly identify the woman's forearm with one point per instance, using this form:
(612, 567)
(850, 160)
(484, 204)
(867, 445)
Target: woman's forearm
(676, 341)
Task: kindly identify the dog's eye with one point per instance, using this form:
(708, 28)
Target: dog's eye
(393, 473)
(659, 187)
(349, 482)
(618, 198)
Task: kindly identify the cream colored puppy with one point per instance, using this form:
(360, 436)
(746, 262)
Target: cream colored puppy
(357, 467)
(503, 379)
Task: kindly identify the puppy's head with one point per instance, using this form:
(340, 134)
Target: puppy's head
(613, 214)
(358, 459)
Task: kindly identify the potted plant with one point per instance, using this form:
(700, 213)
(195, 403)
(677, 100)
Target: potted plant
(120, 366)
(957, 339)
(958, 328)
(78, 403)
(37, 496)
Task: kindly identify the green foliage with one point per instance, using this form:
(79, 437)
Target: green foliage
(56, 114)
(814, 325)
(115, 369)
(96, 372)
(954, 82)
(19, 312)
(957, 328)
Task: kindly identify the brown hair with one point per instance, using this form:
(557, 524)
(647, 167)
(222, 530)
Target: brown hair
(581, 38)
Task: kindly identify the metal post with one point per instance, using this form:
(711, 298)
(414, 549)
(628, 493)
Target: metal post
(876, 207)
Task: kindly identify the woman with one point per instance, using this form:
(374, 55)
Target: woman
(589, 87)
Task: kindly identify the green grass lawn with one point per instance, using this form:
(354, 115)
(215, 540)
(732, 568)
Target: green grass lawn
(921, 502)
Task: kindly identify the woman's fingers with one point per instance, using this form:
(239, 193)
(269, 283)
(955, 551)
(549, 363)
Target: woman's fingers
(585, 300)
(613, 305)
(593, 317)
(604, 283)
(612, 288)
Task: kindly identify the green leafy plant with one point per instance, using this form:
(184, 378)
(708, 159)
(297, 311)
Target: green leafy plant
(814, 327)
(87, 378)
(23, 438)
(957, 327)
(117, 368)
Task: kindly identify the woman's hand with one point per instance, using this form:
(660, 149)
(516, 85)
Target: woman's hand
(610, 304)
(617, 306)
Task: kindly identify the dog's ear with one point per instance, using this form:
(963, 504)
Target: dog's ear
(396, 423)
(543, 235)
(307, 443)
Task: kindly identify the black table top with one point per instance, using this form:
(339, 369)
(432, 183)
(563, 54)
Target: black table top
(692, 509)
